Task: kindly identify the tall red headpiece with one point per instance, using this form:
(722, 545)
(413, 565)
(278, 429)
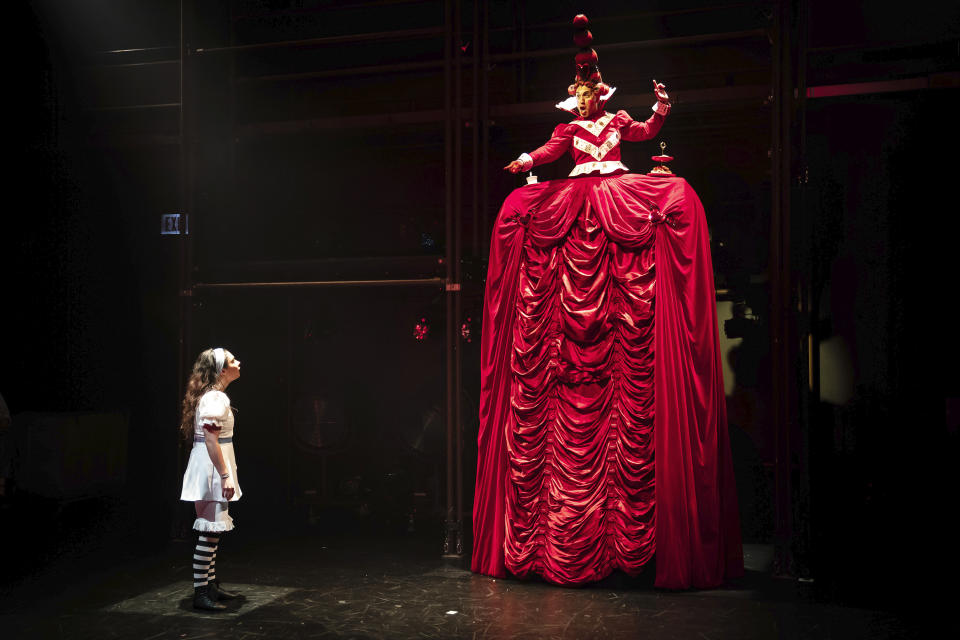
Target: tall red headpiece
(586, 59)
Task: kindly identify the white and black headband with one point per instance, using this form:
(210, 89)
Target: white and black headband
(220, 358)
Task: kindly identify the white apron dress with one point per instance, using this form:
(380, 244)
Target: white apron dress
(201, 481)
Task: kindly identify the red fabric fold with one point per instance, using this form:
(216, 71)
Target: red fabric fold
(599, 347)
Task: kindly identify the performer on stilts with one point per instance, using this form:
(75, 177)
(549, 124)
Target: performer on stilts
(210, 481)
(603, 436)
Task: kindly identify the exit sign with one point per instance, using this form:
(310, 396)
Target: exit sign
(173, 224)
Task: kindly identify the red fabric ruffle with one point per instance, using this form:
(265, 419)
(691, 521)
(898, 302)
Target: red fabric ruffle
(600, 347)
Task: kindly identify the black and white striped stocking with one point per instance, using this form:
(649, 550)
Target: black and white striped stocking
(204, 559)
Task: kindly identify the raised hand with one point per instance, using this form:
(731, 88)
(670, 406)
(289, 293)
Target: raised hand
(661, 92)
(514, 167)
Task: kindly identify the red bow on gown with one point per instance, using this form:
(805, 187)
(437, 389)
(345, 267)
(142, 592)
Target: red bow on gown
(603, 433)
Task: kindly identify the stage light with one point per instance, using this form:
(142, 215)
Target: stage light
(421, 330)
(466, 329)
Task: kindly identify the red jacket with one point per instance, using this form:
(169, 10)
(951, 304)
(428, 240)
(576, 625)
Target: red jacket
(594, 142)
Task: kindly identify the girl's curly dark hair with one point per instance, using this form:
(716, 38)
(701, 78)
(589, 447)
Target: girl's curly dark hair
(203, 378)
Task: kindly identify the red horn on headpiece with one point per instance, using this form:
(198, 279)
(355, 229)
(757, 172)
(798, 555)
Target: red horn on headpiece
(587, 57)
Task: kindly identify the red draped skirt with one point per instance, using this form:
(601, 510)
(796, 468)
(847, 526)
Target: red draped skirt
(603, 435)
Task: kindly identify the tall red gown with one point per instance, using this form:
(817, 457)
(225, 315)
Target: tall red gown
(603, 434)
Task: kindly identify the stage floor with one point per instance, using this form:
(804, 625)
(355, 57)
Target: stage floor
(311, 586)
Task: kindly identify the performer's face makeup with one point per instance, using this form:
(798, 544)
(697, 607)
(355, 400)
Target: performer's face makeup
(588, 101)
(231, 368)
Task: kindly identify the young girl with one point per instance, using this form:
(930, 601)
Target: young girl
(210, 481)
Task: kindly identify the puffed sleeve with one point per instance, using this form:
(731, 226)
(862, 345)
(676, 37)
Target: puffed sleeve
(213, 410)
(634, 131)
(555, 147)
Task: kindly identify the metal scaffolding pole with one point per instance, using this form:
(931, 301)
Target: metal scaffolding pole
(316, 284)
(475, 132)
(455, 292)
(453, 539)
(184, 239)
(484, 128)
(782, 347)
(449, 542)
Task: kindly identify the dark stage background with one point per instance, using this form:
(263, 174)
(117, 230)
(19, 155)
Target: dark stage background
(303, 156)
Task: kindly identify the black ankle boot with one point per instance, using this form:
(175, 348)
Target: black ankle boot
(202, 600)
(219, 593)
